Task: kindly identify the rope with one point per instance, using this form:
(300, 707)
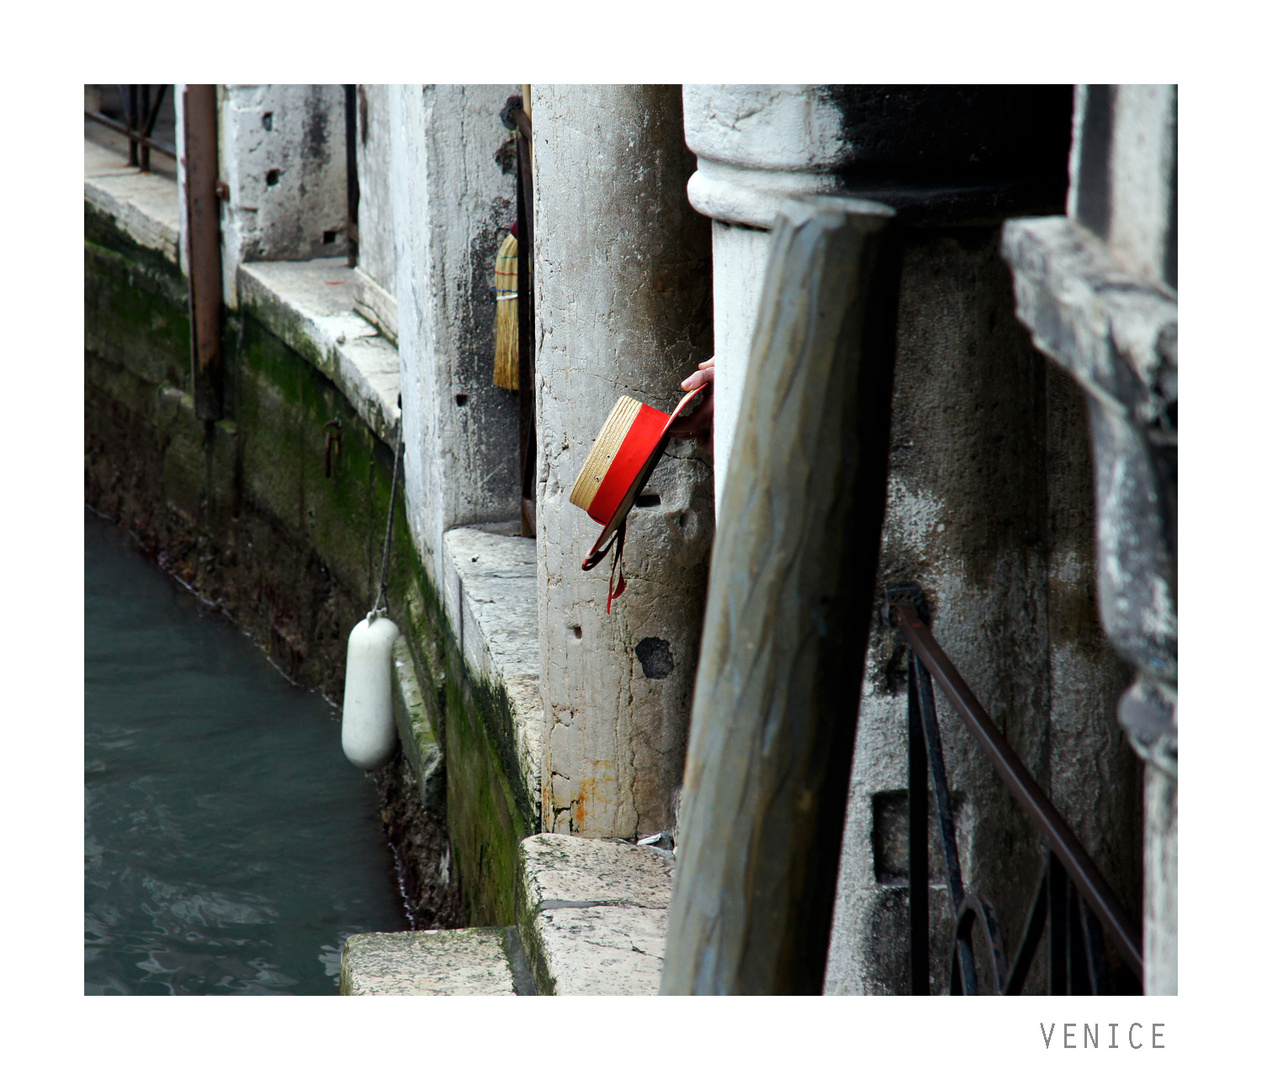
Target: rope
(379, 608)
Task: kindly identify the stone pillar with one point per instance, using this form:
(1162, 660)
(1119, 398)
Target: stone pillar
(622, 307)
(282, 153)
(1097, 290)
(754, 146)
(452, 204)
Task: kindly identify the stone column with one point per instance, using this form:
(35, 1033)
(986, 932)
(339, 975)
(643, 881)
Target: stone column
(754, 146)
(622, 307)
(282, 153)
(452, 204)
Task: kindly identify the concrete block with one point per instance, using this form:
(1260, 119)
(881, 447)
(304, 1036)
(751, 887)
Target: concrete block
(440, 963)
(184, 459)
(593, 913)
(283, 155)
(452, 206)
(376, 209)
(490, 592)
(417, 732)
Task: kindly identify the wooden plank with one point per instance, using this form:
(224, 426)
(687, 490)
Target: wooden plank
(791, 599)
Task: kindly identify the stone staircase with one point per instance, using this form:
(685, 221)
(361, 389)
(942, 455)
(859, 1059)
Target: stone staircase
(591, 919)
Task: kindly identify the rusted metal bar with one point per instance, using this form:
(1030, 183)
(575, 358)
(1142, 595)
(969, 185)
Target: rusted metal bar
(920, 688)
(1035, 918)
(976, 910)
(130, 108)
(917, 846)
(122, 129)
(1065, 846)
(351, 90)
(205, 275)
(142, 124)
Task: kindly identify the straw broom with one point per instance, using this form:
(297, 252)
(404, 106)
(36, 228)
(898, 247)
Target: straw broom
(506, 315)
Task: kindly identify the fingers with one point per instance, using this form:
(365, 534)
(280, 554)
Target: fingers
(703, 375)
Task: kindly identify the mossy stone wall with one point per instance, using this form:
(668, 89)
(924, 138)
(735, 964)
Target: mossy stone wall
(243, 512)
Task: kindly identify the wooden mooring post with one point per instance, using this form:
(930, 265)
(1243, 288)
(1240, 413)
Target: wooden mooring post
(792, 586)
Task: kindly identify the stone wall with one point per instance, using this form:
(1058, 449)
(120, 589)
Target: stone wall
(1098, 290)
(282, 153)
(452, 206)
(243, 512)
(622, 294)
(989, 501)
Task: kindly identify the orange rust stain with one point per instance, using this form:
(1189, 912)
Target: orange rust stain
(586, 795)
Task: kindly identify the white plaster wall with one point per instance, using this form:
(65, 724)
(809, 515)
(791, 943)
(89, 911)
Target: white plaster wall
(282, 152)
(740, 264)
(451, 206)
(622, 307)
(376, 211)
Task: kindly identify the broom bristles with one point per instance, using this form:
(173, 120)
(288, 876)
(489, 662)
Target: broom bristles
(506, 345)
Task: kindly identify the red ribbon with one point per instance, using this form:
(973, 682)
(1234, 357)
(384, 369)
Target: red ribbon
(594, 558)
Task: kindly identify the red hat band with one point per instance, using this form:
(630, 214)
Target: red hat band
(637, 446)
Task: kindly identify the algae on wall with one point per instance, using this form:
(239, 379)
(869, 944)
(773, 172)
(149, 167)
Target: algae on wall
(242, 511)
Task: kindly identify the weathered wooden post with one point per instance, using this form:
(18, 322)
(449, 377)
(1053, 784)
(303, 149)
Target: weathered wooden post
(790, 602)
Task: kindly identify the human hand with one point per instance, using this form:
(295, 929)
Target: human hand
(699, 424)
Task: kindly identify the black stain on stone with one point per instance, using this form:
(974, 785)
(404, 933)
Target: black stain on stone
(315, 134)
(655, 658)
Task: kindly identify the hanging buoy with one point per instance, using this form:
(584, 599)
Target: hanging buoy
(368, 732)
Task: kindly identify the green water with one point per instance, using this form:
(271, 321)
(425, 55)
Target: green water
(229, 847)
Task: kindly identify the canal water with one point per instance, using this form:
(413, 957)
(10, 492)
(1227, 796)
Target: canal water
(229, 847)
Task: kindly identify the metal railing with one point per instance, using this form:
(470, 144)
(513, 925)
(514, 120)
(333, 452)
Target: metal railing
(141, 104)
(1072, 899)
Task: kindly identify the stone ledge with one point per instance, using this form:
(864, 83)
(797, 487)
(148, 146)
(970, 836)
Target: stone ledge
(486, 961)
(490, 593)
(144, 206)
(593, 914)
(310, 306)
(1116, 334)
(421, 745)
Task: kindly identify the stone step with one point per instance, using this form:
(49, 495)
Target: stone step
(486, 960)
(592, 917)
(593, 913)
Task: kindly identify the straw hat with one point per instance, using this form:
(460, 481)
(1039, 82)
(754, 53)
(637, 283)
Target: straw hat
(619, 465)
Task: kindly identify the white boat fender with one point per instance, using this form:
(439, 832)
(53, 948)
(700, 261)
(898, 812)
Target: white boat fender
(368, 732)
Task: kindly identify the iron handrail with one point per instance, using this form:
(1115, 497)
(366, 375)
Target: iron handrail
(1066, 848)
(140, 116)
